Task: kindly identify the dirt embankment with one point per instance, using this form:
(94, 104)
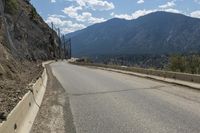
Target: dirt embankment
(24, 44)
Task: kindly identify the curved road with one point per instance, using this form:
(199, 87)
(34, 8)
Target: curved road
(109, 102)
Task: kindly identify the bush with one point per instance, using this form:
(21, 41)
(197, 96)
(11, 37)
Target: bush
(11, 6)
(185, 63)
(177, 63)
(33, 14)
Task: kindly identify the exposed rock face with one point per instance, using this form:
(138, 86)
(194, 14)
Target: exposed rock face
(28, 35)
(24, 43)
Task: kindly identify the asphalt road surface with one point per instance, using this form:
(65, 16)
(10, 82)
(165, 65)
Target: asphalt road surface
(109, 102)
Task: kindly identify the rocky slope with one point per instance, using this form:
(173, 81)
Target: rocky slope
(155, 33)
(24, 43)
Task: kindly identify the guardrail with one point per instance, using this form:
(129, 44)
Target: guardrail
(21, 118)
(165, 74)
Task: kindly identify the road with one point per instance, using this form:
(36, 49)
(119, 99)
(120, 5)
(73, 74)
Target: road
(109, 102)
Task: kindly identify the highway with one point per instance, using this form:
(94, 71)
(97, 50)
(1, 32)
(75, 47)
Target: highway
(108, 102)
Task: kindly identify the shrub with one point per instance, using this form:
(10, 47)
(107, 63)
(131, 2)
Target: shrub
(177, 63)
(185, 63)
(33, 14)
(11, 6)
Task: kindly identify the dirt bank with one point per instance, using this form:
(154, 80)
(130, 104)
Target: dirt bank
(13, 87)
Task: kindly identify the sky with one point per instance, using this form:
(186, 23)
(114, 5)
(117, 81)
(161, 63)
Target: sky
(72, 15)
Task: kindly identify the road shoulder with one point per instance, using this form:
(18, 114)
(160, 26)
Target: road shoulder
(55, 113)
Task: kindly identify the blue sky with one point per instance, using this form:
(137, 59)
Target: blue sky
(72, 15)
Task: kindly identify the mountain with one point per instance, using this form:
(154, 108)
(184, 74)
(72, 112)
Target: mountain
(155, 33)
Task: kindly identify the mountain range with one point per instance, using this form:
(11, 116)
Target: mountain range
(155, 33)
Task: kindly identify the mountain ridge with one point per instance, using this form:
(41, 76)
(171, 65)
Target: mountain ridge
(154, 33)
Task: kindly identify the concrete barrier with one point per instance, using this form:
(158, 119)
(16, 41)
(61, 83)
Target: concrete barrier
(21, 118)
(165, 74)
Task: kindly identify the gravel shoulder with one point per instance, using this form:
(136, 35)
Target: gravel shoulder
(55, 114)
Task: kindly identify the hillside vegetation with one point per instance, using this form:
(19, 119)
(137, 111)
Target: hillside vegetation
(183, 63)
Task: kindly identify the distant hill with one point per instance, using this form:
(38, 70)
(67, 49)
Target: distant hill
(155, 33)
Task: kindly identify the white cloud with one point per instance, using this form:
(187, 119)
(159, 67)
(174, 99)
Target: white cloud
(57, 21)
(140, 13)
(82, 17)
(135, 14)
(140, 1)
(87, 17)
(77, 11)
(171, 10)
(57, 16)
(168, 5)
(53, 1)
(66, 26)
(197, 1)
(123, 16)
(72, 11)
(72, 27)
(195, 14)
(94, 20)
(96, 4)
